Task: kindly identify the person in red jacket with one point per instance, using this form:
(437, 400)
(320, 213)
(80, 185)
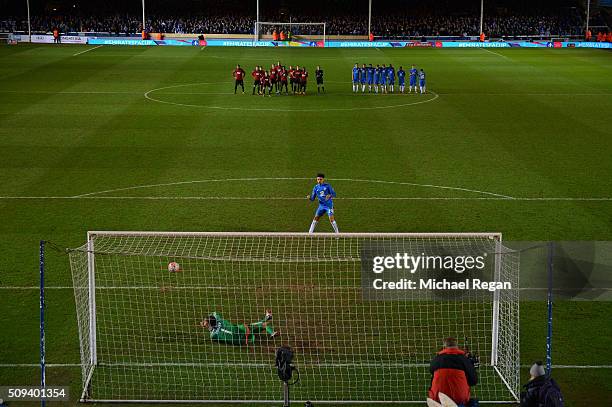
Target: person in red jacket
(453, 373)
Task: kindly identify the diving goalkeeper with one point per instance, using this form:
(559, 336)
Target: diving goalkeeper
(222, 330)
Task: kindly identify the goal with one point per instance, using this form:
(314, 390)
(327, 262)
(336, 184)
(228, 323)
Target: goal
(307, 32)
(141, 340)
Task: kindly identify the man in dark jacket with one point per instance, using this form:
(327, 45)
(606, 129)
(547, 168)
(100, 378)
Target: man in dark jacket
(531, 394)
(453, 373)
(540, 390)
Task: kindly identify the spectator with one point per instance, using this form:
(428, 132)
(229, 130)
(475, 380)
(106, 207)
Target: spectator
(386, 25)
(56, 36)
(540, 390)
(453, 374)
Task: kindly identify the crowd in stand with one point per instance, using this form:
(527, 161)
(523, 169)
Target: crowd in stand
(388, 26)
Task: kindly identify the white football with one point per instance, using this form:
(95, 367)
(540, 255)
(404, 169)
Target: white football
(173, 267)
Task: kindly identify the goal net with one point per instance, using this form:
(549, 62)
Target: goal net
(304, 32)
(141, 338)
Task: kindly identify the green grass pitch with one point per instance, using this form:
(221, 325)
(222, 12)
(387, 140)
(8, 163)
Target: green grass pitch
(533, 125)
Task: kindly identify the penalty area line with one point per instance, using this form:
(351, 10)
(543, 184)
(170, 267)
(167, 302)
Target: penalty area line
(87, 50)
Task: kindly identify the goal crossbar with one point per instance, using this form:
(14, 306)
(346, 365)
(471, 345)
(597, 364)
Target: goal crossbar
(493, 235)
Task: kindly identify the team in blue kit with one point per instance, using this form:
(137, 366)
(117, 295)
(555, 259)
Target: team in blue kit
(356, 71)
(362, 78)
(391, 78)
(401, 78)
(422, 84)
(413, 79)
(370, 74)
(376, 78)
(382, 79)
(325, 194)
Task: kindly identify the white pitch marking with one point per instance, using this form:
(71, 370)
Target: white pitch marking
(147, 95)
(259, 198)
(119, 92)
(38, 365)
(495, 53)
(87, 50)
(25, 288)
(68, 92)
(414, 184)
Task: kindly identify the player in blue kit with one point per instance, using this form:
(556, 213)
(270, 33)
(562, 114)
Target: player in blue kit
(391, 78)
(413, 79)
(355, 78)
(325, 194)
(383, 79)
(376, 77)
(362, 78)
(401, 79)
(422, 85)
(370, 78)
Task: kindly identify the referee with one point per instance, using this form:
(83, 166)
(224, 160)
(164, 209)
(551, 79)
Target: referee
(319, 76)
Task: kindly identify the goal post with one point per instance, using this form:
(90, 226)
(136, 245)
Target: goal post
(141, 338)
(298, 31)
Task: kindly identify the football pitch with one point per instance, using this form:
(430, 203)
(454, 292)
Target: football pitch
(516, 141)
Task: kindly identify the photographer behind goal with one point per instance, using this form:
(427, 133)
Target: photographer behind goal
(453, 373)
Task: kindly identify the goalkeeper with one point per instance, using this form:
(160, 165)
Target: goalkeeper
(222, 330)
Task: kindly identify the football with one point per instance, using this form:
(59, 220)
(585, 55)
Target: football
(174, 267)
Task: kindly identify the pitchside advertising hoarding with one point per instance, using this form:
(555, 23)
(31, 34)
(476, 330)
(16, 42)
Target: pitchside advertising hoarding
(135, 41)
(348, 44)
(229, 42)
(48, 39)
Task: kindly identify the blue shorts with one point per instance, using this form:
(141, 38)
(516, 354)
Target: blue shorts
(401, 82)
(322, 210)
(421, 83)
(355, 80)
(391, 81)
(363, 81)
(382, 81)
(370, 80)
(412, 81)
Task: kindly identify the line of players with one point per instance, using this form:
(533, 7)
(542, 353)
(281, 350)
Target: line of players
(383, 78)
(278, 78)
